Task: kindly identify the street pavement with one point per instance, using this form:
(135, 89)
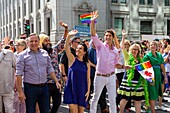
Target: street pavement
(64, 108)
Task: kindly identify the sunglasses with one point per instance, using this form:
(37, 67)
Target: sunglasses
(77, 42)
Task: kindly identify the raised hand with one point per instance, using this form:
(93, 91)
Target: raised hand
(94, 15)
(63, 24)
(123, 33)
(72, 32)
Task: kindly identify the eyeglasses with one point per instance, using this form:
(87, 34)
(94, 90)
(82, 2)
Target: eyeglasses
(77, 42)
(135, 49)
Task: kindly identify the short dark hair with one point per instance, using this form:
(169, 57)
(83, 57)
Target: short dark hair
(109, 31)
(156, 40)
(74, 39)
(32, 34)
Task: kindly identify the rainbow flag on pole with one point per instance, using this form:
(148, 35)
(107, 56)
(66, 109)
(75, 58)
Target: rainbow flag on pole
(146, 71)
(86, 18)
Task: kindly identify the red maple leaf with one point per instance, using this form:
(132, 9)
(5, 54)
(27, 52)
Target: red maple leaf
(148, 73)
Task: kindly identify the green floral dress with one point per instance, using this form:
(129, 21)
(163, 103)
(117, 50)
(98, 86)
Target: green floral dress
(156, 89)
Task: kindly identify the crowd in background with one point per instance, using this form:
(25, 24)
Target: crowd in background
(84, 70)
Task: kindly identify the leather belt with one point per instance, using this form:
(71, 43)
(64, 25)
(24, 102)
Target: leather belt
(40, 85)
(105, 75)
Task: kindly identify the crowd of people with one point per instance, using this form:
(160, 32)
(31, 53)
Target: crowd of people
(34, 73)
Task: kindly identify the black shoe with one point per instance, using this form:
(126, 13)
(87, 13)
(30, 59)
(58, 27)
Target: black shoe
(163, 100)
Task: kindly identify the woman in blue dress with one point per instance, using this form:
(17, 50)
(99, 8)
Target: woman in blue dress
(77, 87)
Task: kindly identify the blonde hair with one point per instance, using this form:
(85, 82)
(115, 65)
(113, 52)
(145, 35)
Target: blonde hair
(128, 42)
(166, 50)
(133, 45)
(155, 43)
(22, 42)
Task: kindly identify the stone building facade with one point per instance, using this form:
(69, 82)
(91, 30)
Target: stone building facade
(137, 17)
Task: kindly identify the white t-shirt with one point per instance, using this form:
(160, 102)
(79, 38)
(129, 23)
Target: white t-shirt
(1, 53)
(167, 65)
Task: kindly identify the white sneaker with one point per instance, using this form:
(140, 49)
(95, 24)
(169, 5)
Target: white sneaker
(162, 108)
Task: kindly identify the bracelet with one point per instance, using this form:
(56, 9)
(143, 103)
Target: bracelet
(63, 75)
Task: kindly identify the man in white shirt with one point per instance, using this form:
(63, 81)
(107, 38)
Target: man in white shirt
(7, 66)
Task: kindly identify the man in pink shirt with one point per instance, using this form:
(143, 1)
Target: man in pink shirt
(107, 61)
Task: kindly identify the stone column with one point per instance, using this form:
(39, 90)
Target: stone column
(34, 15)
(22, 16)
(2, 20)
(5, 14)
(27, 8)
(42, 3)
(134, 30)
(159, 21)
(8, 13)
(17, 28)
(54, 4)
(12, 18)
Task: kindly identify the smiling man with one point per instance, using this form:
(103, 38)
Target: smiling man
(34, 64)
(107, 61)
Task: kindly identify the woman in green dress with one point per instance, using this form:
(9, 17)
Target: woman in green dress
(157, 62)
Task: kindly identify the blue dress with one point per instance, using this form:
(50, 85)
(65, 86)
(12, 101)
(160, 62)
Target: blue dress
(76, 85)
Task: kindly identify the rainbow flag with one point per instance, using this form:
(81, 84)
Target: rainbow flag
(146, 71)
(86, 18)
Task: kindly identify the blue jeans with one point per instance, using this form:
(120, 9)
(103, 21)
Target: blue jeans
(36, 94)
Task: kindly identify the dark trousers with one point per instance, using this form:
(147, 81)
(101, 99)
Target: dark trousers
(36, 94)
(118, 98)
(56, 97)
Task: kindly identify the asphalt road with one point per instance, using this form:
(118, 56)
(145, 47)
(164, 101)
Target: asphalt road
(64, 108)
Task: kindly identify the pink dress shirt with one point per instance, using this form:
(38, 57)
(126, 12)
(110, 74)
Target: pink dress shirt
(106, 58)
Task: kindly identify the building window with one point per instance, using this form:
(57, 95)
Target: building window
(39, 4)
(166, 2)
(4, 20)
(146, 27)
(82, 24)
(24, 8)
(7, 19)
(150, 2)
(48, 26)
(14, 14)
(32, 28)
(10, 19)
(142, 2)
(122, 1)
(19, 30)
(118, 26)
(114, 1)
(168, 27)
(48, 0)
(31, 6)
(39, 27)
(19, 12)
